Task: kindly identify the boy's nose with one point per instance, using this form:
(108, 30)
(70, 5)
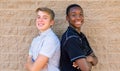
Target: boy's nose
(40, 20)
(77, 16)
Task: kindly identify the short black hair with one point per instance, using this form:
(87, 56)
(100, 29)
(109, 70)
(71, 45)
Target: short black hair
(71, 6)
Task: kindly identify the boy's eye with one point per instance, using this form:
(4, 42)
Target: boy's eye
(81, 14)
(45, 18)
(38, 17)
(73, 15)
(76, 15)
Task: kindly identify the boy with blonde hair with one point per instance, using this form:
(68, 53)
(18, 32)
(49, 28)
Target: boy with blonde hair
(44, 52)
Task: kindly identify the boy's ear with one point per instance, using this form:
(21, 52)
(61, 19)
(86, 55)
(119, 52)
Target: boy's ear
(67, 18)
(52, 22)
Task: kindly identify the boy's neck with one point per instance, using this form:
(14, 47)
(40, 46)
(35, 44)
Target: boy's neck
(77, 29)
(41, 31)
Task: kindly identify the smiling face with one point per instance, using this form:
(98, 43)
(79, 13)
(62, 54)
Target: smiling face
(43, 21)
(75, 17)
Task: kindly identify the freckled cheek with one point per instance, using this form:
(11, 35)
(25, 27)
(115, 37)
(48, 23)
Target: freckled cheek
(37, 20)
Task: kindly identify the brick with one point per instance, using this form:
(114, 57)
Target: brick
(13, 66)
(9, 30)
(114, 58)
(9, 44)
(102, 67)
(17, 22)
(21, 67)
(24, 44)
(27, 30)
(4, 66)
(114, 67)
(13, 58)
(113, 48)
(22, 58)
(5, 58)
(27, 4)
(11, 14)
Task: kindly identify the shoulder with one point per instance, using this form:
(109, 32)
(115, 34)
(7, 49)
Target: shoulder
(82, 34)
(52, 37)
(69, 36)
(70, 33)
(35, 39)
(70, 40)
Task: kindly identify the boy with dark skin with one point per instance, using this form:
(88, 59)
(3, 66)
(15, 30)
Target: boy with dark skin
(76, 53)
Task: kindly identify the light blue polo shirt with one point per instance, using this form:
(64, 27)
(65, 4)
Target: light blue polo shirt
(48, 44)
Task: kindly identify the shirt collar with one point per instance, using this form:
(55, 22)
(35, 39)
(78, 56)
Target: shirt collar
(72, 29)
(46, 32)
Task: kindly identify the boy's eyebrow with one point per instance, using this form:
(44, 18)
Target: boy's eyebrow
(43, 15)
(75, 12)
(72, 12)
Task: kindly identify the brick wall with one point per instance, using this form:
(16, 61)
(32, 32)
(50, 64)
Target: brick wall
(17, 28)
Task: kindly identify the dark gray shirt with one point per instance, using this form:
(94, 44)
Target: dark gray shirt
(73, 46)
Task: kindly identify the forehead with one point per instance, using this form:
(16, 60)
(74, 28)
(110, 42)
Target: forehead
(43, 13)
(75, 9)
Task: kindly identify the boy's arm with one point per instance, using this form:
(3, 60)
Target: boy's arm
(92, 59)
(40, 62)
(83, 64)
(29, 63)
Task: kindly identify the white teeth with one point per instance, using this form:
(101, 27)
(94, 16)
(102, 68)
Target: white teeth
(39, 24)
(78, 22)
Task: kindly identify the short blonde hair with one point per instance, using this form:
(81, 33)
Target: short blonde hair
(47, 10)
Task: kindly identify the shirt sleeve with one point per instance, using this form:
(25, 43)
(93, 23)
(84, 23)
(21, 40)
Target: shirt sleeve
(49, 46)
(31, 47)
(74, 48)
(87, 46)
(30, 51)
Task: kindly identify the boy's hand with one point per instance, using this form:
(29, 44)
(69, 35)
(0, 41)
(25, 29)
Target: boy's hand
(92, 59)
(89, 58)
(75, 65)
